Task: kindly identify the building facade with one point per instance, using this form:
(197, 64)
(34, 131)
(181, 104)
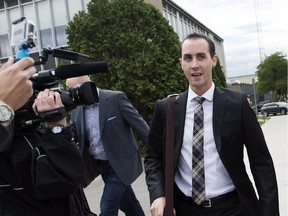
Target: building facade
(52, 16)
(184, 23)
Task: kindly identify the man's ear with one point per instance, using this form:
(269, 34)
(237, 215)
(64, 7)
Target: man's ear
(180, 62)
(215, 59)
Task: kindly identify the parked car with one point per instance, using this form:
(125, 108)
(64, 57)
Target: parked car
(274, 108)
(260, 104)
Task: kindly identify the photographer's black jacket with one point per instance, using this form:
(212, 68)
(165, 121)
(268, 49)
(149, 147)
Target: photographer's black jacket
(6, 135)
(38, 174)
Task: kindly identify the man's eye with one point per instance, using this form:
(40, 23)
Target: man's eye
(187, 58)
(201, 57)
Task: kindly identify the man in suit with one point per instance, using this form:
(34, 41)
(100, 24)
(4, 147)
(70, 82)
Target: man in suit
(106, 139)
(229, 125)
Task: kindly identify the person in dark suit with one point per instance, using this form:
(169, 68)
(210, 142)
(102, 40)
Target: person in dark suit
(106, 140)
(229, 125)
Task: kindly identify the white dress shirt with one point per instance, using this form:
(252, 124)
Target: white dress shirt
(217, 180)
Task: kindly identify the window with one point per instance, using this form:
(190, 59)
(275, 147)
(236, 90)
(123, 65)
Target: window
(4, 46)
(46, 38)
(25, 1)
(11, 3)
(61, 37)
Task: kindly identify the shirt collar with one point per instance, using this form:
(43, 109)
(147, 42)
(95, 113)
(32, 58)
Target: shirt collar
(208, 95)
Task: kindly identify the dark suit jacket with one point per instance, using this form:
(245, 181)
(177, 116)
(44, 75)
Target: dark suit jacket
(234, 125)
(117, 118)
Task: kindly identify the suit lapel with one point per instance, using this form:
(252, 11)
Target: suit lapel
(103, 105)
(179, 120)
(219, 105)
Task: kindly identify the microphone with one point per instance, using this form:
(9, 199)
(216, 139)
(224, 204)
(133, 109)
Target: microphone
(73, 70)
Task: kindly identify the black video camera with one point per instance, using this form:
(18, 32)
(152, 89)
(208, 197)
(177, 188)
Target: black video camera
(24, 37)
(84, 94)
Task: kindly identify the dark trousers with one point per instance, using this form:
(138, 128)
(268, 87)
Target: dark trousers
(116, 195)
(224, 206)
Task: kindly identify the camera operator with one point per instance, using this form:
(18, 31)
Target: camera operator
(42, 169)
(15, 90)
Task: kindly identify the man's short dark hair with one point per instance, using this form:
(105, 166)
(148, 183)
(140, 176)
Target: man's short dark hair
(197, 35)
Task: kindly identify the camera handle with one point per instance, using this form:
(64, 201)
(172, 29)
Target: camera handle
(53, 115)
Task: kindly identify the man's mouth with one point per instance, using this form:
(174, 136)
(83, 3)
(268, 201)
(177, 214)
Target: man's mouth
(196, 74)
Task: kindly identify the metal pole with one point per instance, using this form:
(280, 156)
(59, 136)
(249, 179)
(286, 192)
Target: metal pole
(255, 100)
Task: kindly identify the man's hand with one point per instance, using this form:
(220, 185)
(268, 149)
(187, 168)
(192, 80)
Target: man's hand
(157, 207)
(48, 100)
(15, 85)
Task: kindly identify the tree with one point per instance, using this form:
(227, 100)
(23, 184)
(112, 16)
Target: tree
(272, 75)
(138, 43)
(218, 75)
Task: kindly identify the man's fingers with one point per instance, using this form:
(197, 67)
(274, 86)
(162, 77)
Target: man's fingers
(26, 63)
(47, 100)
(8, 63)
(31, 71)
(58, 99)
(45, 94)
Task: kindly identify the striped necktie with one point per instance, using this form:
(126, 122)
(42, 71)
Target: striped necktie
(198, 178)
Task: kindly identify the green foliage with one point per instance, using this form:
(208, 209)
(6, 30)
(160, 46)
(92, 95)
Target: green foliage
(218, 76)
(141, 48)
(272, 75)
(262, 119)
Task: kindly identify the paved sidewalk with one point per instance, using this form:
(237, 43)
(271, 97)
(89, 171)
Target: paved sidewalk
(276, 134)
(275, 131)
(94, 191)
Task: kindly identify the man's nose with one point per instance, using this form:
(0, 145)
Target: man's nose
(194, 63)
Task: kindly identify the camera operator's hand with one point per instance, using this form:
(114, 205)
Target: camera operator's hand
(48, 100)
(15, 85)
